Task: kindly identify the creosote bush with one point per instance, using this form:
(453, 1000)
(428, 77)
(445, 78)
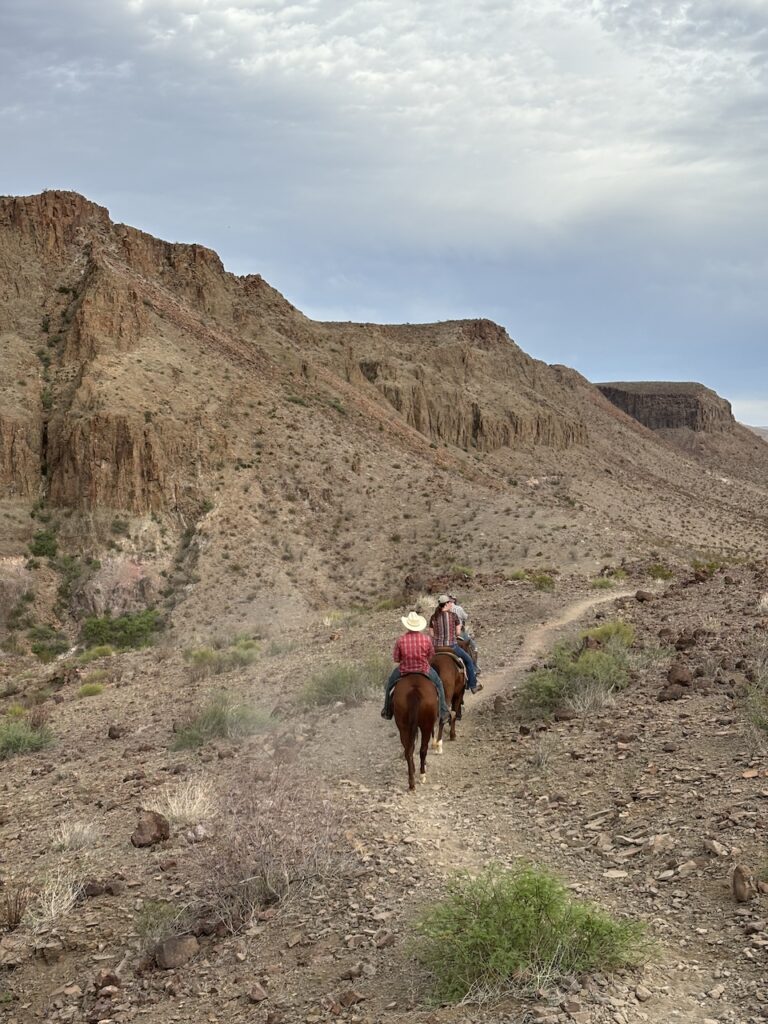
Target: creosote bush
(573, 668)
(349, 682)
(94, 653)
(222, 717)
(517, 930)
(47, 643)
(90, 690)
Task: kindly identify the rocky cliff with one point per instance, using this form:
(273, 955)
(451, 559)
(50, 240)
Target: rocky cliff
(662, 405)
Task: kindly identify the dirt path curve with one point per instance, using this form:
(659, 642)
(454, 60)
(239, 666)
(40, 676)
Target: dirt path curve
(538, 639)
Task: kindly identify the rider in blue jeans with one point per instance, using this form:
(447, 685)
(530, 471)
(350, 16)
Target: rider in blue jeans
(446, 625)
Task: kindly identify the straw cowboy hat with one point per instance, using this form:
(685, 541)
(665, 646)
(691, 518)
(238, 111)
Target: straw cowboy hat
(414, 621)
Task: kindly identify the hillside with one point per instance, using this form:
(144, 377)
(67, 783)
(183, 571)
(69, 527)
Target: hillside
(215, 511)
(172, 418)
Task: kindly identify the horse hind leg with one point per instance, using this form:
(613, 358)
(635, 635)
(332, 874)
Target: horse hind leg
(423, 751)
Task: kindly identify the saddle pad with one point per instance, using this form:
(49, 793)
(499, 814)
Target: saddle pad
(451, 654)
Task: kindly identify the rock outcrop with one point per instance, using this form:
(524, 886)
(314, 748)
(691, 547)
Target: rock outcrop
(663, 405)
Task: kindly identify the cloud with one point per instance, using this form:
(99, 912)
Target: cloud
(589, 171)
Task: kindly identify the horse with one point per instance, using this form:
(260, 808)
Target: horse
(454, 679)
(415, 705)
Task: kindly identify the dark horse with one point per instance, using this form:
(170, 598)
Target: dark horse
(452, 674)
(415, 705)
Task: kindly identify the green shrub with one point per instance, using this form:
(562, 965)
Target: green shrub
(463, 570)
(513, 930)
(44, 544)
(18, 736)
(47, 643)
(616, 629)
(90, 690)
(221, 717)
(572, 670)
(120, 527)
(210, 661)
(518, 574)
(157, 921)
(127, 631)
(602, 583)
(350, 682)
(543, 581)
(94, 653)
(99, 676)
(657, 571)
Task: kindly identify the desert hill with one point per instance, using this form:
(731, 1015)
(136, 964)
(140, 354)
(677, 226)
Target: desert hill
(206, 442)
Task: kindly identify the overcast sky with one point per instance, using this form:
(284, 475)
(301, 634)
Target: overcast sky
(589, 173)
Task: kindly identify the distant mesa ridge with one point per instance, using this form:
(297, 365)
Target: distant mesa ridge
(671, 405)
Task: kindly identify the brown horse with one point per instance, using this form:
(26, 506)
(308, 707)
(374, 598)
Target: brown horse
(454, 678)
(416, 707)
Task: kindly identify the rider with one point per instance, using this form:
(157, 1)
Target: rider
(413, 652)
(464, 633)
(445, 625)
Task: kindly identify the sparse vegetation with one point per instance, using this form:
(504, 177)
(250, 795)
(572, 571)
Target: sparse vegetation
(542, 581)
(14, 900)
(222, 717)
(95, 653)
(573, 669)
(90, 690)
(657, 571)
(518, 930)
(349, 682)
(47, 642)
(126, 631)
(18, 736)
(157, 921)
(73, 834)
(190, 802)
(211, 661)
(59, 894)
(272, 843)
(602, 583)
(44, 544)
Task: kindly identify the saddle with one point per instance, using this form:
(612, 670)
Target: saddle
(452, 654)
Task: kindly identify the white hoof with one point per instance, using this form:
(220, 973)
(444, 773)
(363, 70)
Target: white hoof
(439, 747)
(423, 778)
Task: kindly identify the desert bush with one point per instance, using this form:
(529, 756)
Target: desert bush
(17, 736)
(90, 690)
(157, 921)
(543, 581)
(58, 895)
(213, 661)
(99, 676)
(222, 717)
(189, 803)
(126, 631)
(616, 628)
(14, 900)
(571, 669)
(47, 643)
(350, 682)
(657, 571)
(602, 583)
(589, 698)
(518, 930)
(73, 834)
(518, 574)
(44, 544)
(463, 570)
(271, 844)
(94, 653)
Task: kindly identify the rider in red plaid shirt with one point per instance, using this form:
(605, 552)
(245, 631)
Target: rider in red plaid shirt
(413, 652)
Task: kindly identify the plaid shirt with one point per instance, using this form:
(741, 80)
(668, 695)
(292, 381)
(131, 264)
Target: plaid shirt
(445, 626)
(414, 652)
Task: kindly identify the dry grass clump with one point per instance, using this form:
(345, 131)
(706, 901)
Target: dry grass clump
(271, 844)
(216, 660)
(23, 733)
(348, 682)
(73, 834)
(157, 921)
(189, 803)
(57, 897)
(222, 717)
(14, 900)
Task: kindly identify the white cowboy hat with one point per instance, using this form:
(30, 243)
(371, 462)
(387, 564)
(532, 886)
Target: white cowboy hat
(414, 621)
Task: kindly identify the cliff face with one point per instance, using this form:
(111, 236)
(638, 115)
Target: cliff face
(669, 406)
(125, 358)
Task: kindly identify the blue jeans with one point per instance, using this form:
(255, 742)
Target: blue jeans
(444, 709)
(469, 665)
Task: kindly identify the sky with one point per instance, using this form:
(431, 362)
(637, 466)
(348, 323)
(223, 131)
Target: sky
(589, 173)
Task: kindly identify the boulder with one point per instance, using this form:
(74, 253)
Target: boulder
(175, 952)
(152, 828)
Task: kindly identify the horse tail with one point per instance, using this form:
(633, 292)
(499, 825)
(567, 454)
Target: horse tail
(414, 705)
